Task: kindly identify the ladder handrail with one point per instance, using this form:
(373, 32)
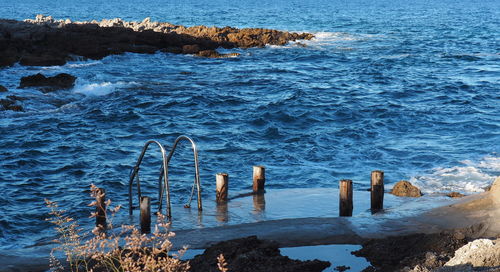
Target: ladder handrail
(196, 167)
(164, 172)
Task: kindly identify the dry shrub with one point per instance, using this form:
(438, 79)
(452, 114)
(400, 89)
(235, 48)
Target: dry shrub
(112, 250)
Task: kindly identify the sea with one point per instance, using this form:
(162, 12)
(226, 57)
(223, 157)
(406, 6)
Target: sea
(411, 88)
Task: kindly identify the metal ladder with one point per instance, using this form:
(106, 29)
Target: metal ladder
(164, 175)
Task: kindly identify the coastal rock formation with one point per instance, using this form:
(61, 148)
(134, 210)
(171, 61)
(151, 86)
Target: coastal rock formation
(3, 89)
(405, 188)
(252, 255)
(45, 41)
(396, 253)
(60, 81)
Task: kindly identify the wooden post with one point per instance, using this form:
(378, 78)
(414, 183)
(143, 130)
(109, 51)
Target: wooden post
(145, 214)
(221, 187)
(345, 203)
(259, 178)
(100, 219)
(377, 191)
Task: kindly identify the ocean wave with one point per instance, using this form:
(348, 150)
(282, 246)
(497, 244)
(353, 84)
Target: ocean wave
(469, 177)
(99, 89)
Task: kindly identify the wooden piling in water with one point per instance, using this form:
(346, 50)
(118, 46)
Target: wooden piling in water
(377, 191)
(259, 178)
(345, 202)
(145, 214)
(221, 187)
(100, 219)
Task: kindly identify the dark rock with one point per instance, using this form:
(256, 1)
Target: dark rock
(251, 255)
(3, 89)
(42, 60)
(342, 268)
(15, 108)
(8, 56)
(45, 41)
(394, 253)
(190, 49)
(16, 98)
(215, 54)
(405, 188)
(455, 195)
(60, 81)
(7, 104)
(172, 49)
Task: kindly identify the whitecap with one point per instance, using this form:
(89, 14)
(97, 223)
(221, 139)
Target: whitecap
(98, 89)
(468, 177)
(83, 64)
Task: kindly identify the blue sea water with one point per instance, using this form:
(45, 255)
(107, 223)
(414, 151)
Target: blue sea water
(408, 87)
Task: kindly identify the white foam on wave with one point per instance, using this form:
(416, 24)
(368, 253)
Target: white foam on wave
(98, 89)
(83, 64)
(468, 177)
(339, 40)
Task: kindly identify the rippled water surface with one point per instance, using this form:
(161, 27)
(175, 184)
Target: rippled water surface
(409, 87)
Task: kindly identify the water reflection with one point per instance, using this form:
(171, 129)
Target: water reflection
(259, 204)
(222, 212)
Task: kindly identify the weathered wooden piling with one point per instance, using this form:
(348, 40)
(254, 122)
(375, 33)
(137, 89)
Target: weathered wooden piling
(100, 219)
(145, 214)
(259, 178)
(345, 202)
(221, 187)
(377, 191)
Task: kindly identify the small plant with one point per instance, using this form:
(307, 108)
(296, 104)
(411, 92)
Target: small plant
(222, 264)
(112, 250)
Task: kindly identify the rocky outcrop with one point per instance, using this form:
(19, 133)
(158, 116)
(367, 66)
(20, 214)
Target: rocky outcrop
(252, 255)
(3, 89)
(48, 84)
(478, 253)
(405, 188)
(45, 41)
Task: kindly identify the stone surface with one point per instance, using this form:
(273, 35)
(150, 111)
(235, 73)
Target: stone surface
(478, 253)
(57, 82)
(45, 41)
(252, 255)
(3, 89)
(405, 188)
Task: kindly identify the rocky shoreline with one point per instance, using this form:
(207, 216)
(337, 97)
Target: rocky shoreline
(47, 42)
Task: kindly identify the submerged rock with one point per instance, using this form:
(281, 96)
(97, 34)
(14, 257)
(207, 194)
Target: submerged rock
(7, 104)
(405, 188)
(252, 255)
(215, 54)
(60, 81)
(455, 195)
(45, 41)
(3, 89)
